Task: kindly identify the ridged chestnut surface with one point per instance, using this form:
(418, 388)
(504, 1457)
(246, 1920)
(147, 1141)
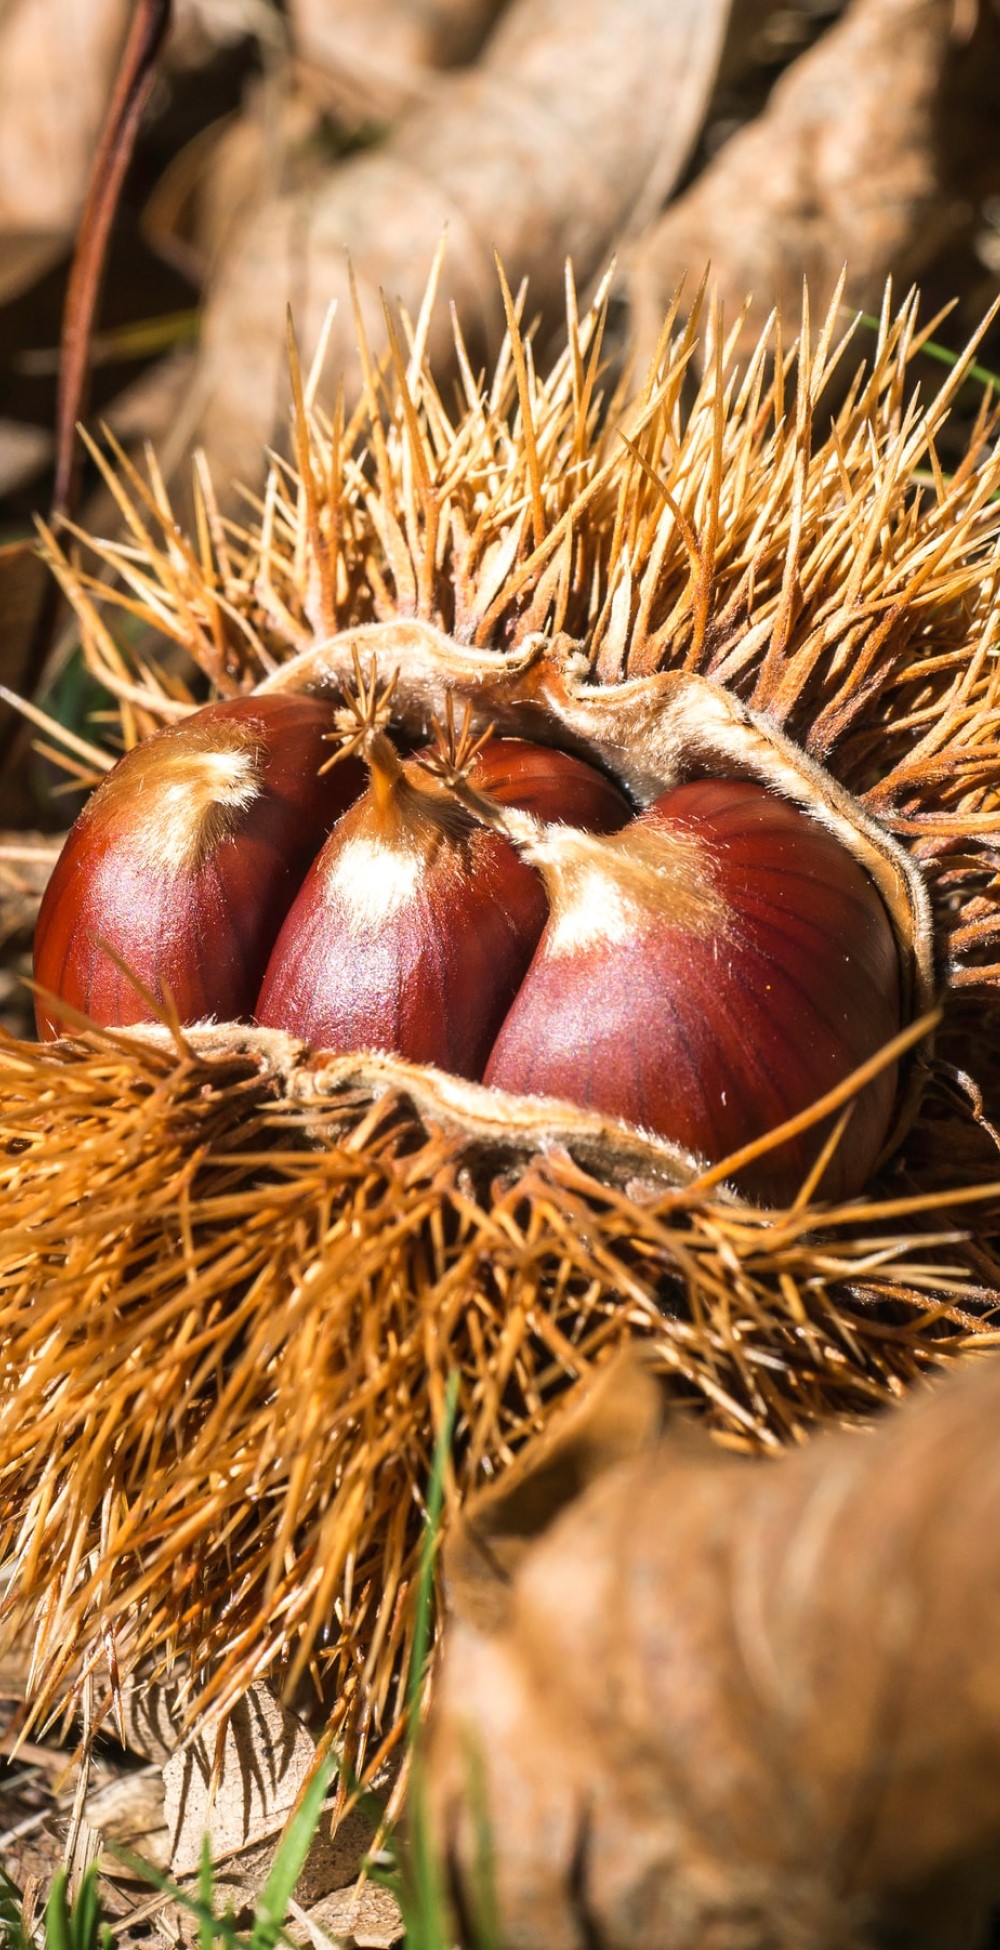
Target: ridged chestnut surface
(554, 785)
(185, 860)
(415, 924)
(707, 974)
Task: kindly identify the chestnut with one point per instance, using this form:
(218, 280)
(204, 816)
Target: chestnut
(416, 923)
(184, 861)
(552, 784)
(706, 974)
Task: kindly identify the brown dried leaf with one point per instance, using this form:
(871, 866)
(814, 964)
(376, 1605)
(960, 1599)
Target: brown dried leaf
(377, 57)
(25, 256)
(241, 1793)
(210, 187)
(201, 27)
(57, 58)
(572, 120)
(149, 408)
(24, 451)
(615, 1419)
(128, 1813)
(738, 1702)
(364, 1914)
(844, 165)
(237, 1785)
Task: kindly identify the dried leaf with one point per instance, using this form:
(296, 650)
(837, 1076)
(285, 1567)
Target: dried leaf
(149, 408)
(57, 58)
(845, 165)
(241, 1793)
(614, 1419)
(24, 451)
(365, 1915)
(201, 27)
(225, 172)
(377, 57)
(739, 1702)
(25, 256)
(572, 121)
(128, 1813)
(237, 1785)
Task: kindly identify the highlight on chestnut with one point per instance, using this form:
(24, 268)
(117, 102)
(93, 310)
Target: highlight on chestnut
(703, 962)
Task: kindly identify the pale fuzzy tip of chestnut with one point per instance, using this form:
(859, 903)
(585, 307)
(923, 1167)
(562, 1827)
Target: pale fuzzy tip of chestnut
(178, 802)
(374, 880)
(196, 808)
(608, 890)
(375, 872)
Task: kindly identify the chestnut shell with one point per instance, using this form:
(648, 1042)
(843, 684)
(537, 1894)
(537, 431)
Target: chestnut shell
(203, 930)
(713, 1036)
(430, 979)
(427, 973)
(553, 784)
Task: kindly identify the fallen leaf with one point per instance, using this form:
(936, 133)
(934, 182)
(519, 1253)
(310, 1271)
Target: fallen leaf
(572, 124)
(239, 1793)
(266, 1756)
(742, 1702)
(615, 1419)
(25, 256)
(201, 27)
(24, 451)
(844, 166)
(365, 1915)
(57, 59)
(378, 57)
(226, 171)
(129, 1813)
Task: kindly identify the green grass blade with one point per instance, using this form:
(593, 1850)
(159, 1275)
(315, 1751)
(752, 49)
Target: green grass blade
(206, 1896)
(416, 1884)
(425, 1588)
(274, 1898)
(944, 357)
(83, 1913)
(58, 1933)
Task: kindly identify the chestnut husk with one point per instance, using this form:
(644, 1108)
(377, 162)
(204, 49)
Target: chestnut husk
(362, 1227)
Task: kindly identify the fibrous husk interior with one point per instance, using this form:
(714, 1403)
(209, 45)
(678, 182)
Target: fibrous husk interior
(235, 1276)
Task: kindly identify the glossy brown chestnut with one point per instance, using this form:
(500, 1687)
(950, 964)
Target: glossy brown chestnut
(707, 974)
(411, 931)
(185, 860)
(552, 784)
